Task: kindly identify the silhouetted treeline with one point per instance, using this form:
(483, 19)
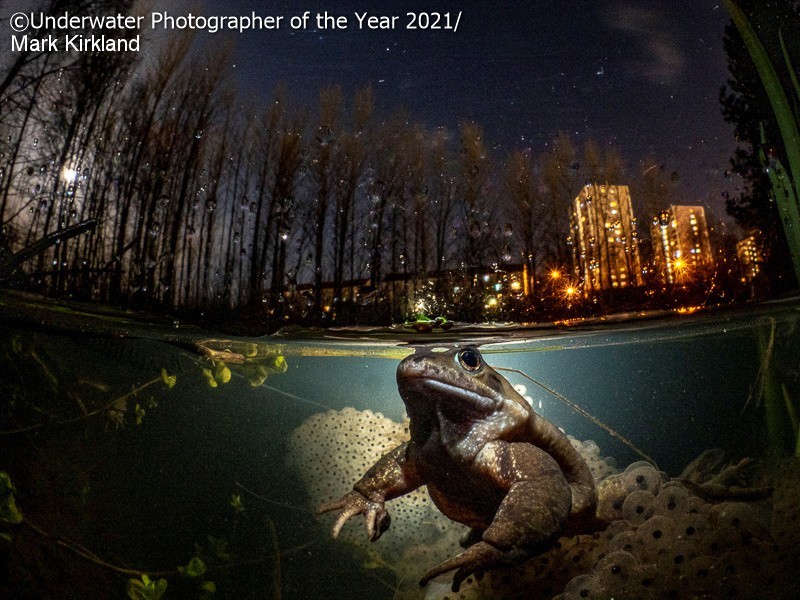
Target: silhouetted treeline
(207, 202)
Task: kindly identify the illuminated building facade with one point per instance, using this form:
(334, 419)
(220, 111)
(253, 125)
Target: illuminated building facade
(605, 239)
(681, 246)
(749, 255)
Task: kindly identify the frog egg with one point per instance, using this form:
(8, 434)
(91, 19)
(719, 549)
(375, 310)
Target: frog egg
(629, 541)
(616, 568)
(650, 580)
(691, 527)
(610, 500)
(644, 477)
(744, 519)
(582, 556)
(591, 447)
(584, 586)
(654, 534)
(697, 505)
(616, 528)
(672, 499)
(521, 389)
(785, 522)
(674, 558)
(638, 506)
(639, 463)
(700, 577)
(739, 586)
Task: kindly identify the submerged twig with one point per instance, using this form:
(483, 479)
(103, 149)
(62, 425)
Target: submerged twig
(84, 416)
(294, 397)
(274, 502)
(276, 594)
(584, 413)
(87, 554)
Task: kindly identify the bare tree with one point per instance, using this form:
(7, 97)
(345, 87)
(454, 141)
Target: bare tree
(349, 169)
(530, 213)
(325, 136)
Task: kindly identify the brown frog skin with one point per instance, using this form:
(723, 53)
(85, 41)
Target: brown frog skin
(489, 461)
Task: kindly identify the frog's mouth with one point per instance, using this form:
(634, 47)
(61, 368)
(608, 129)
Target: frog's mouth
(449, 392)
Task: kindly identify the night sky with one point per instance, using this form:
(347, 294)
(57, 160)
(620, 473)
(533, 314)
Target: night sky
(641, 75)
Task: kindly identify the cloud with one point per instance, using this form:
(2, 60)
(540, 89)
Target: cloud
(660, 58)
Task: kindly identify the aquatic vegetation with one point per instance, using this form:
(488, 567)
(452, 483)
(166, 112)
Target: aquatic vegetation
(236, 504)
(220, 374)
(774, 391)
(9, 513)
(114, 410)
(785, 186)
(257, 373)
(169, 380)
(422, 323)
(253, 362)
(145, 588)
(195, 568)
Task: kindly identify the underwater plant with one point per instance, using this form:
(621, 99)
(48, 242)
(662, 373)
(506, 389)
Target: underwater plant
(254, 362)
(146, 589)
(9, 513)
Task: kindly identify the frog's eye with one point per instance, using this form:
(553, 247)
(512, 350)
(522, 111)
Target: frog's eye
(470, 360)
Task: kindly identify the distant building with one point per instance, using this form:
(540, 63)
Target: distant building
(681, 246)
(605, 238)
(749, 254)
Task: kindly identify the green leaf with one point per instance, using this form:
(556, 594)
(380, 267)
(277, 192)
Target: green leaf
(787, 124)
(222, 374)
(209, 587)
(236, 503)
(140, 412)
(9, 513)
(169, 380)
(209, 378)
(145, 588)
(195, 568)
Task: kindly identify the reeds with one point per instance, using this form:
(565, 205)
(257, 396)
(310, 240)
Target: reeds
(785, 182)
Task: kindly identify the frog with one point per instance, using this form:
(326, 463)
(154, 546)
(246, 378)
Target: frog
(488, 459)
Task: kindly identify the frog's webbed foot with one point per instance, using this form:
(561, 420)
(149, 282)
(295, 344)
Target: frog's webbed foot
(376, 519)
(475, 559)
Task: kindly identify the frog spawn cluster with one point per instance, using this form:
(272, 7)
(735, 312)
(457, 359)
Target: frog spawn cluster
(663, 542)
(330, 451)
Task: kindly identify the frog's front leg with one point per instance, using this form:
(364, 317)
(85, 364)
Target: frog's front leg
(393, 475)
(532, 514)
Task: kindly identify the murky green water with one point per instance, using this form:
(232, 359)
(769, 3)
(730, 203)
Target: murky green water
(113, 481)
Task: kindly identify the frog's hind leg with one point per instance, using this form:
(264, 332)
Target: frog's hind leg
(531, 516)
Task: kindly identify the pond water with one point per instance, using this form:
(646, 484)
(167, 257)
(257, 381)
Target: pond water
(120, 470)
